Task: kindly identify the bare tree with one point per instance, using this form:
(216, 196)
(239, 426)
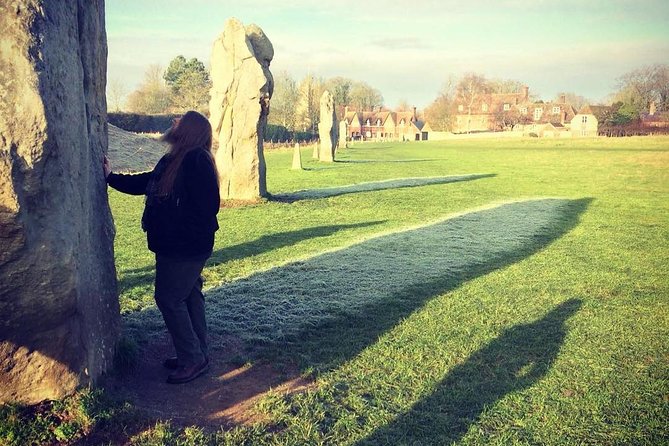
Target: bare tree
(403, 105)
(308, 105)
(505, 86)
(365, 97)
(469, 92)
(284, 101)
(440, 112)
(573, 99)
(116, 91)
(639, 88)
(152, 97)
(340, 87)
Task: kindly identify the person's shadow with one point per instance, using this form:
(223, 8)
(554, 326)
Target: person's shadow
(514, 361)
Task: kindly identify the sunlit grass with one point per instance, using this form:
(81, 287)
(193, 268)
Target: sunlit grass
(526, 307)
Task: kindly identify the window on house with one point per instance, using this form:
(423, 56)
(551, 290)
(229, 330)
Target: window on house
(378, 122)
(556, 110)
(507, 107)
(537, 113)
(584, 119)
(402, 122)
(461, 108)
(523, 110)
(369, 122)
(484, 107)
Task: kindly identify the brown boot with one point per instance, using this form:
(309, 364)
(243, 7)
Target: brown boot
(186, 374)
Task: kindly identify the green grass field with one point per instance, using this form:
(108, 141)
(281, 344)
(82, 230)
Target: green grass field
(463, 292)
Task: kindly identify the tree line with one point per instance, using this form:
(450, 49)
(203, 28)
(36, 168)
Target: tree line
(295, 105)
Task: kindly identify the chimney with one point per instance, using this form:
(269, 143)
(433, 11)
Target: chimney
(346, 110)
(415, 118)
(652, 109)
(563, 98)
(526, 92)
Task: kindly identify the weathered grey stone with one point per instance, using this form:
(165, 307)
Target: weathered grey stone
(242, 86)
(343, 131)
(327, 128)
(297, 157)
(59, 312)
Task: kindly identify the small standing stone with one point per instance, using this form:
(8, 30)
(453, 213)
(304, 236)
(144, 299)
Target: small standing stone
(343, 132)
(297, 157)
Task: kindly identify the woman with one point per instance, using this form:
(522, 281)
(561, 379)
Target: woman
(182, 200)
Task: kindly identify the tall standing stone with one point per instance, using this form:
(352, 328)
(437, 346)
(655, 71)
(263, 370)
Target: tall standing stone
(327, 128)
(59, 311)
(242, 86)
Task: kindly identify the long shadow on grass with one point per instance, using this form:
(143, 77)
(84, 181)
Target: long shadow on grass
(514, 361)
(412, 160)
(144, 276)
(303, 311)
(397, 183)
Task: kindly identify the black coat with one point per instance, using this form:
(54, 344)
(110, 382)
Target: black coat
(183, 223)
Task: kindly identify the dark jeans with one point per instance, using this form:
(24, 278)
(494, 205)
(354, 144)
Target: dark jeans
(179, 297)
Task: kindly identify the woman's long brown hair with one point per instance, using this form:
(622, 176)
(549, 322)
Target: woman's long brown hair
(190, 132)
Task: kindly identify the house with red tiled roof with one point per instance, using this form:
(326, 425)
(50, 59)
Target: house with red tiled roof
(385, 125)
(503, 111)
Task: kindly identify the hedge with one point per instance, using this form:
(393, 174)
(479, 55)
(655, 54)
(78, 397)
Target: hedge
(134, 122)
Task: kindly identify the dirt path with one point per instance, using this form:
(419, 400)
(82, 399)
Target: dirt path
(223, 397)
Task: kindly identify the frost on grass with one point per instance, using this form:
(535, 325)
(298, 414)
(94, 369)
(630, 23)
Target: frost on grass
(282, 302)
(397, 183)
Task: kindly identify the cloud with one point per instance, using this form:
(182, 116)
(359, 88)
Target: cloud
(400, 43)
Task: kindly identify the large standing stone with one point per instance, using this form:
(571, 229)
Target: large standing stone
(242, 86)
(327, 128)
(59, 312)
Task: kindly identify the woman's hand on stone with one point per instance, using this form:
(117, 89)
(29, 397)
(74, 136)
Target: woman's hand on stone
(106, 165)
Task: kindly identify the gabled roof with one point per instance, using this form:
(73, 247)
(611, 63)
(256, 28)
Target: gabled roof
(350, 116)
(598, 111)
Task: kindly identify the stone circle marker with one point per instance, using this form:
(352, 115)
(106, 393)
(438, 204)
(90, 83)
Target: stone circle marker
(297, 157)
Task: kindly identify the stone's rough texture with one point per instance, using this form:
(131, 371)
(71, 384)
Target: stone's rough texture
(327, 128)
(242, 86)
(59, 312)
(343, 131)
(297, 157)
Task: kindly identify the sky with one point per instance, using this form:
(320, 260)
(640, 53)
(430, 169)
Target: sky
(407, 49)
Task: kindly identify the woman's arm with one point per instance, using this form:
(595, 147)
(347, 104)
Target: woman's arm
(133, 184)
